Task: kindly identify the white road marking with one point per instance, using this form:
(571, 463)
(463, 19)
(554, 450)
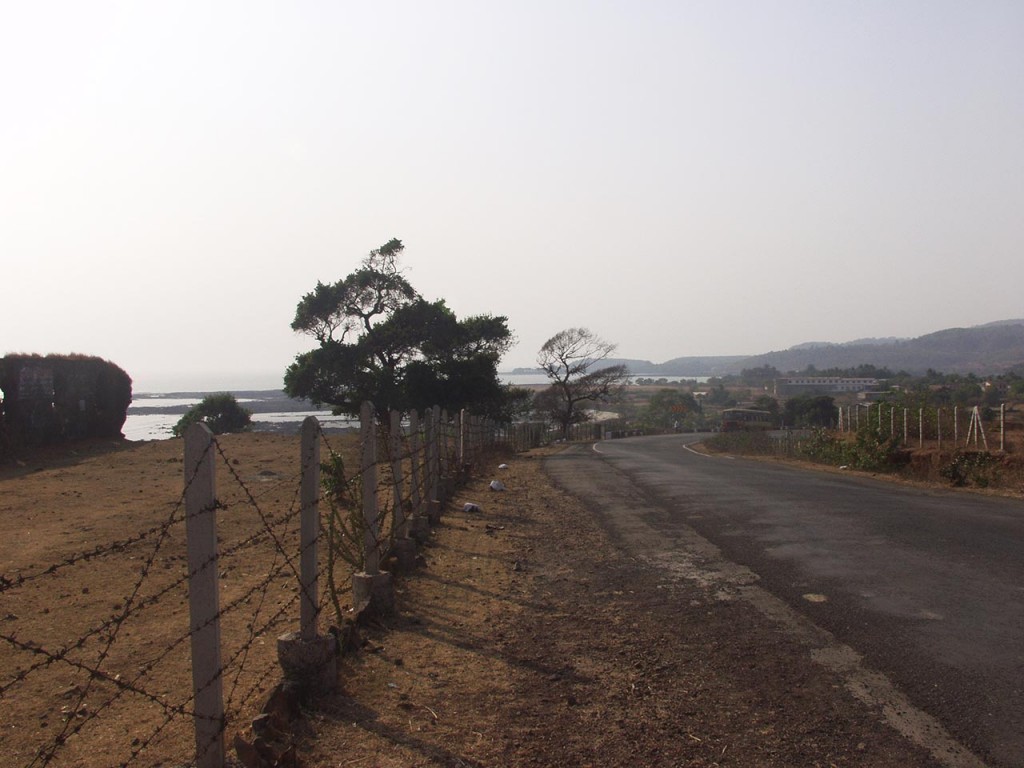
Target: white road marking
(707, 455)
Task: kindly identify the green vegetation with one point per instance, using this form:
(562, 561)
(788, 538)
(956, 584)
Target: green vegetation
(870, 450)
(220, 412)
(746, 443)
(810, 411)
(719, 395)
(379, 340)
(977, 468)
(670, 409)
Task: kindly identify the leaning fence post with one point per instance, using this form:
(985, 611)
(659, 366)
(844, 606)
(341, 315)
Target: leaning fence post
(203, 597)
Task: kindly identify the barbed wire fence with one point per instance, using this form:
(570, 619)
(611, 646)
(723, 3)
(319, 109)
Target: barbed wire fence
(191, 619)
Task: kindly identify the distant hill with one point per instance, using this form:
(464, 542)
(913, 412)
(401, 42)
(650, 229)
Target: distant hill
(680, 366)
(683, 366)
(984, 349)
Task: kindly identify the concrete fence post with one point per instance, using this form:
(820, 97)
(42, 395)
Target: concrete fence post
(309, 526)
(419, 527)
(449, 468)
(309, 660)
(415, 462)
(460, 437)
(444, 450)
(372, 590)
(368, 473)
(397, 477)
(402, 546)
(433, 418)
(203, 596)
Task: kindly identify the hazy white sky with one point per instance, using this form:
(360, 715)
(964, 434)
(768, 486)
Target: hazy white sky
(684, 178)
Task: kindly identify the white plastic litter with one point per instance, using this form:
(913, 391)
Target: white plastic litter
(503, 466)
(497, 485)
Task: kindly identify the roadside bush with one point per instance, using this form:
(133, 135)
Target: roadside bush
(825, 447)
(869, 451)
(978, 468)
(876, 452)
(757, 443)
(221, 413)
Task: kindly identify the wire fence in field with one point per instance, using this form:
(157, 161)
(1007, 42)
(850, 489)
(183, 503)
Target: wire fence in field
(942, 428)
(166, 645)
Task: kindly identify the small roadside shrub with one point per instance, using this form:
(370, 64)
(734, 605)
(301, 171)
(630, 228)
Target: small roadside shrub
(220, 412)
(757, 443)
(870, 450)
(824, 447)
(977, 468)
(875, 452)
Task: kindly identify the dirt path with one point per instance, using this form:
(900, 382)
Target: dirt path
(531, 639)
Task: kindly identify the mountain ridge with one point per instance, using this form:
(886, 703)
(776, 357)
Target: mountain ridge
(991, 348)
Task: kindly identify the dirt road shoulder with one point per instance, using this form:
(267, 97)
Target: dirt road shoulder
(534, 637)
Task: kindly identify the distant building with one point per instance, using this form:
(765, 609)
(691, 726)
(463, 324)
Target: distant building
(822, 385)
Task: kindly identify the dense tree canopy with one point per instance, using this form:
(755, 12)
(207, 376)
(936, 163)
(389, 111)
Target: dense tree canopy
(379, 340)
(810, 411)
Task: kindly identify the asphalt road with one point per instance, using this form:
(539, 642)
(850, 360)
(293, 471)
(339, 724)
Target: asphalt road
(926, 585)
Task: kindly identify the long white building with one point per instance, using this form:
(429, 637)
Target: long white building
(806, 385)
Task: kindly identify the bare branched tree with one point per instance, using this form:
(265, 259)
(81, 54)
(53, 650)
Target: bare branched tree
(570, 359)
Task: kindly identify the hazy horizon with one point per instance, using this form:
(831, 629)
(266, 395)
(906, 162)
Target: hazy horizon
(685, 179)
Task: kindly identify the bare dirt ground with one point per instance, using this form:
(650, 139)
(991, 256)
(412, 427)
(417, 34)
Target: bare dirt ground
(529, 637)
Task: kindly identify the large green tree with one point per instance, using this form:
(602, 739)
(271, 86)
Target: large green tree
(379, 340)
